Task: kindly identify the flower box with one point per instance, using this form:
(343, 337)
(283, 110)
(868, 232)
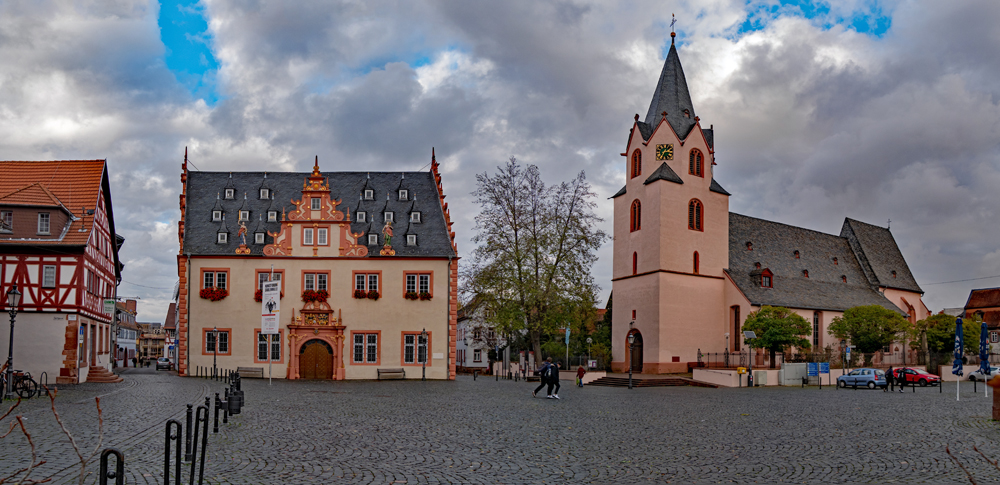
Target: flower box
(373, 294)
(411, 295)
(213, 294)
(360, 294)
(259, 295)
(425, 296)
(313, 295)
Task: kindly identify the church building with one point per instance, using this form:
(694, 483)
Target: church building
(687, 271)
(366, 260)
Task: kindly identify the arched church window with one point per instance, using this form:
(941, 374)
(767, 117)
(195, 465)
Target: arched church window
(635, 264)
(636, 163)
(696, 163)
(697, 262)
(695, 215)
(635, 216)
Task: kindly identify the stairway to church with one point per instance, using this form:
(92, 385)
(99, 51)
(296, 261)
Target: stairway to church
(101, 374)
(647, 382)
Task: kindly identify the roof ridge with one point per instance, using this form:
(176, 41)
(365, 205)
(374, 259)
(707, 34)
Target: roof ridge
(788, 225)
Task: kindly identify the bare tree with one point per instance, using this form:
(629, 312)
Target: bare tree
(536, 247)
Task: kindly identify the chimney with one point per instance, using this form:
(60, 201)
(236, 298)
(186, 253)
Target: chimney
(130, 305)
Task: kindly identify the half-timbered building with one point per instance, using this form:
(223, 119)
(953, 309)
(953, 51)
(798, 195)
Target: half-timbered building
(58, 245)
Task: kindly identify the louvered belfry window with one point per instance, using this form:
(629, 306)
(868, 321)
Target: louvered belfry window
(695, 215)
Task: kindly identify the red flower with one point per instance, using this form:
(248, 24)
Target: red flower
(411, 295)
(373, 294)
(425, 295)
(312, 295)
(259, 295)
(360, 294)
(213, 294)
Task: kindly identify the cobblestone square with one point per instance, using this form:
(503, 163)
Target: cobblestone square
(486, 431)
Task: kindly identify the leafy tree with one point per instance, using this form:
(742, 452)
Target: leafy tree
(778, 328)
(870, 327)
(940, 332)
(536, 246)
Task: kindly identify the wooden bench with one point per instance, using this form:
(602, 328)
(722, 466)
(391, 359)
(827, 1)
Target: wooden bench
(257, 372)
(397, 373)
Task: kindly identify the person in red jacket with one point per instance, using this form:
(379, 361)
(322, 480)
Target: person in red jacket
(580, 371)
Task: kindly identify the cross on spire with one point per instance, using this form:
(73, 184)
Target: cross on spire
(673, 20)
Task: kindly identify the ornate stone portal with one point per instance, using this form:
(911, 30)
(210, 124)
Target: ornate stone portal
(316, 321)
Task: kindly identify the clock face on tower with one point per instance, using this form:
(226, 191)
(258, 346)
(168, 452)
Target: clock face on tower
(665, 152)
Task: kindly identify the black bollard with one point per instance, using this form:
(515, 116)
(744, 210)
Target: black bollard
(225, 410)
(187, 433)
(974, 382)
(218, 403)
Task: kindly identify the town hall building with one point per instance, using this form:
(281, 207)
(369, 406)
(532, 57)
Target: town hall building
(687, 271)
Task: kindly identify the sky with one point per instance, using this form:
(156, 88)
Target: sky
(873, 110)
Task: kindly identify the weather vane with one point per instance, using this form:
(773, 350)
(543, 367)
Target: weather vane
(673, 20)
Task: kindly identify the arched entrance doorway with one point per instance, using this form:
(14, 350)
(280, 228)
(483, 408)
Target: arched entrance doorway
(636, 354)
(316, 360)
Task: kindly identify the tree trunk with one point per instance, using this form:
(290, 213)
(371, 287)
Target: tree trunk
(536, 345)
(772, 358)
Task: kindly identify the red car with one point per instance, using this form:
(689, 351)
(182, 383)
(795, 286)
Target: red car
(916, 376)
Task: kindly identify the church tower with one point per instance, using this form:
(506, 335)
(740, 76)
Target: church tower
(671, 236)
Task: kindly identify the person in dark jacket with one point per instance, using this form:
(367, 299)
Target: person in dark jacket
(553, 380)
(890, 381)
(541, 374)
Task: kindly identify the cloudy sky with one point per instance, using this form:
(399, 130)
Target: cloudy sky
(863, 109)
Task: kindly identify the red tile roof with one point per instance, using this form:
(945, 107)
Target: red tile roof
(75, 184)
(983, 298)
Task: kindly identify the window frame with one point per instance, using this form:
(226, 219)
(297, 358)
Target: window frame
(243, 216)
(7, 218)
(635, 216)
(279, 272)
(364, 346)
(369, 194)
(256, 349)
(696, 163)
(47, 218)
(411, 239)
(215, 279)
(404, 194)
(635, 163)
(429, 354)
(416, 281)
(216, 216)
(230, 194)
(477, 355)
(55, 275)
(315, 203)
(372, 243)
(325, 239)
(367, 273)
(229, 341)
(264, 193)
(415, 217)
(308, 236)
(258, 238)
(272, 216)
(389, 216)
(360, 216)
(315, 274)
(696, 215)
(222, 238)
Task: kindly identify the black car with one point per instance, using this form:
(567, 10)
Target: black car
(163, 363)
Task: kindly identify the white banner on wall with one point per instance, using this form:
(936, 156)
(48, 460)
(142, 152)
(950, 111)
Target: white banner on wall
(270, 307)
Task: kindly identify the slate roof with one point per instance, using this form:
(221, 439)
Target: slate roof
(879, 255)
(774, 245)
(715, 187)
(664, 172)
(671, 95)
(983, 298)
(200, 233)
(619, 193)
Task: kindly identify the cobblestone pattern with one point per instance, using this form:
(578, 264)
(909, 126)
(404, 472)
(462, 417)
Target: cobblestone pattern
(494, 432)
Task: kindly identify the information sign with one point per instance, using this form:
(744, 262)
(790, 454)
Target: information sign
(270, 307)
(813, 369)
(824, 367)
(109, 306)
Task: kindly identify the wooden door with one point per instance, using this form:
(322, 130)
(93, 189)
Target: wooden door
(316, 360)
(637, 353)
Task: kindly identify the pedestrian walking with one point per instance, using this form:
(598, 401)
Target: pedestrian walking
(541, 371)
(553, 380)
(580, 372)
(890, 381)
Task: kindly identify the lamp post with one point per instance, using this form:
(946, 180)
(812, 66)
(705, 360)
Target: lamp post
(843, 350)
(215, 350)
(727, 350)
(423, 342)
(589, 341)
(631, 348)
(750, 335)
(13, 300)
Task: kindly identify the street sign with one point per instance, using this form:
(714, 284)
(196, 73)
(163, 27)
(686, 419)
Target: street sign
(847, 353)
(813, 369)
(567, 335)
(741, 370)
(824, 367)
(109, 306)
(270, 306)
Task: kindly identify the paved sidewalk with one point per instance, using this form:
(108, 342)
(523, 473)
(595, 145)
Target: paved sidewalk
(486, 431)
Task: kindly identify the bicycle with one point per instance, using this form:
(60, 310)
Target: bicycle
(24, 385)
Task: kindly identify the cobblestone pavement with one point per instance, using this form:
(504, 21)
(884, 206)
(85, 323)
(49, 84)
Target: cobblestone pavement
(493, 432)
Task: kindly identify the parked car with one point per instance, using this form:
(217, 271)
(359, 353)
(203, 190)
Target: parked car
(866, 377)
(910, 375)
(163, 363)
(977, 375)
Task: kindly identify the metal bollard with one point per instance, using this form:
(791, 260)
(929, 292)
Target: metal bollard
(187, 433)
(118, 473)
(225, 410)
(218, 404)
(174, 437)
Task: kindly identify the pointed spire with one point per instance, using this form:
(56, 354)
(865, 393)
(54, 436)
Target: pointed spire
(672, 96)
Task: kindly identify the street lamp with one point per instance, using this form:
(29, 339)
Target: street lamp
(589, 341)
(423, 341)
(727, 350)
(843, 365)
(631, 349)
(13, 300)
(215, 350)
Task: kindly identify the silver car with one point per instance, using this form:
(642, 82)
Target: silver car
(866, 377)
(977, 375)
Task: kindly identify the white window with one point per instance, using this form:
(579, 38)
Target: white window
(411, 239)
(272, 216)
(373, 239)
(223, 238)
(230, 193)
(48, 276)
(321, 236)
(366, 282)
(360, 216)
(6, 221)
(369, 194)
(411, 283)
(223, 342)
(43, 222)
(994, 337)
(477, 355)
(388, 217)
(414, 217)
(365, 348)
(425, 283)
(403, 194)
(216, 216)
(414, 349)
(262, 347)
(258, 238)
(262, 277)
(244, 215)
(316, 281)
(265, 193)
(314, 203)
(307, 236)
(215, 279)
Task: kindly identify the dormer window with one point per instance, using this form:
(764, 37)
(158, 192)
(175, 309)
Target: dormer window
(265, 193)
(414, 217)
(369, 194)
(360, 216)
(843, 278)
(756, 266)
(687, 113)
(258, 238)
(230, 193)
(404, 194)
(411, 239)
(805, 273)
(749, 246)
(765, 281)
(244, 215)
(835, 261)
(272, 216)
(6, 221)
(796, 254)
(216, 216)
(314, 203)
(388, 217)
(893, 274)
(373, 239)
(44, 223)
(223, 238)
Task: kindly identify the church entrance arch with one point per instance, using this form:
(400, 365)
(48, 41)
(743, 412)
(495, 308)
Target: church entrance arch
(316, 360)
(636, 354)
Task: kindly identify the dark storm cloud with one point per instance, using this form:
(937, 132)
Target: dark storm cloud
(812, 123)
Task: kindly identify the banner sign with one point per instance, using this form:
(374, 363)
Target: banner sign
(270, 306)
(109, 306)
(567, 335)
(813, 369)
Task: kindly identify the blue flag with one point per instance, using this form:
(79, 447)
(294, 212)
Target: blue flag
(984, 351)
(956, 368)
